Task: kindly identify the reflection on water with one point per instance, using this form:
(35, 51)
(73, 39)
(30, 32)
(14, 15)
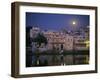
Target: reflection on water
(33, 60)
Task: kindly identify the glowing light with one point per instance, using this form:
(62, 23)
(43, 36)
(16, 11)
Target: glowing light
(74, 22)
(87, 44)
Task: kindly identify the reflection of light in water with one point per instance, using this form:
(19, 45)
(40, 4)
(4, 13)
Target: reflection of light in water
(37, 62)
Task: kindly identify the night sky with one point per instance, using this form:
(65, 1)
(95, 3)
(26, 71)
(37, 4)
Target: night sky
(48, 21)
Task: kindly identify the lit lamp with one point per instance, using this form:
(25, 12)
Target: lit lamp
(87, 43)
(87, 46)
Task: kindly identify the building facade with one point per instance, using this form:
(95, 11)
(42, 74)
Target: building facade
(63, 41)
(80, 43)
(59, 40)
(34, 31)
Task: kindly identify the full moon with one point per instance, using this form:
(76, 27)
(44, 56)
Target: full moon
(73, 22)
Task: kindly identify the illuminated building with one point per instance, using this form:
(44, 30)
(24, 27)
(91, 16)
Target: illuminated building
(59, 40)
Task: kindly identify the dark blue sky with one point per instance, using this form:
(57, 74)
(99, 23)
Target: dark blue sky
(48, 21)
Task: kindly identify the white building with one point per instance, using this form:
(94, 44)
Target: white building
(34, 31)
(59, 40)
(69, 42)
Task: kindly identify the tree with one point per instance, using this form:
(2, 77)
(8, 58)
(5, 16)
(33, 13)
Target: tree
(39, 39)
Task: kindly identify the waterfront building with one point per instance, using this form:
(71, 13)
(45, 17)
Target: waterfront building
(34, 31)
(59, 40)
(63, 41)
